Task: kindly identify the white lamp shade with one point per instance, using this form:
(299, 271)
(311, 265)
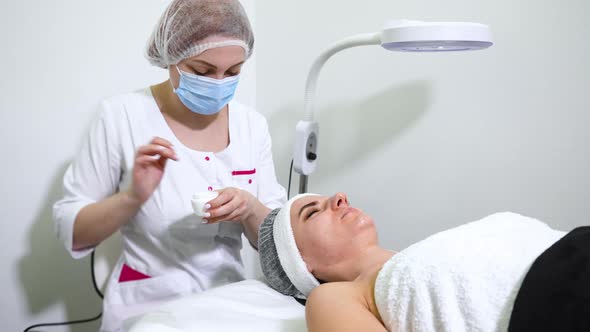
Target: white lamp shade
(418, 36)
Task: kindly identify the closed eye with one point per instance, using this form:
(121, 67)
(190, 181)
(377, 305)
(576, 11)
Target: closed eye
(309, 215)
(200, 72)
(304, 212)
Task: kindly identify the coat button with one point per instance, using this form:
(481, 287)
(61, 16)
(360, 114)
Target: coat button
(210, 188)
(250, 181)
(207, 158)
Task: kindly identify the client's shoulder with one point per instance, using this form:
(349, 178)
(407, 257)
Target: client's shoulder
(330, 288)
(338, 306)
(336, 294)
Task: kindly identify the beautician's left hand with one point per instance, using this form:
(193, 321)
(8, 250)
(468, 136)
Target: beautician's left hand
(232, 204)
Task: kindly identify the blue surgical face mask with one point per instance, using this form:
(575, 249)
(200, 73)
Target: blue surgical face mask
(205, 95)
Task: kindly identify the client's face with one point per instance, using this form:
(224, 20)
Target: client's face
(329, 231)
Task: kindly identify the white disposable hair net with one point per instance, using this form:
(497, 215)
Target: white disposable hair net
(186, 23)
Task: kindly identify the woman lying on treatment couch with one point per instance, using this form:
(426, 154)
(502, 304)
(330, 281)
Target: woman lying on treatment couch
(505, 272)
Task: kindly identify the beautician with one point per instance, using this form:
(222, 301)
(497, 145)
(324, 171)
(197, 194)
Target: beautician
(149, 151)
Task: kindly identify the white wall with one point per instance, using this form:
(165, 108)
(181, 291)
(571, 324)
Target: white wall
(424, 142)
(421, 142)
(57, 60)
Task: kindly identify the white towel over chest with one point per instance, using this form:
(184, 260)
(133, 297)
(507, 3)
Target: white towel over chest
(462, 279)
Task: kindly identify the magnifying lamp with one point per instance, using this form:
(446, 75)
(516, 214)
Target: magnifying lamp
(398, 35)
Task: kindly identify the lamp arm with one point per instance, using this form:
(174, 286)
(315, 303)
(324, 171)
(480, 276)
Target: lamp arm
(314, 72)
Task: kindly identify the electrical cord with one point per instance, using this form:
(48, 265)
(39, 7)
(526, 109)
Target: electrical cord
(81, 320)
(289, 185)
(94, 276)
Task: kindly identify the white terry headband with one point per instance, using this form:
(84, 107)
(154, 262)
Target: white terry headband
(287, 250)
(200, 48)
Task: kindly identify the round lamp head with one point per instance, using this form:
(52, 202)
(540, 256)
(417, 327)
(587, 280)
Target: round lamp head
(418, 36)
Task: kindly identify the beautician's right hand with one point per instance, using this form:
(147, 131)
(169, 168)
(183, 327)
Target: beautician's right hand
(148, 169)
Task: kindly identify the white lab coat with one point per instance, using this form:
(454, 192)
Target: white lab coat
(165, 240)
